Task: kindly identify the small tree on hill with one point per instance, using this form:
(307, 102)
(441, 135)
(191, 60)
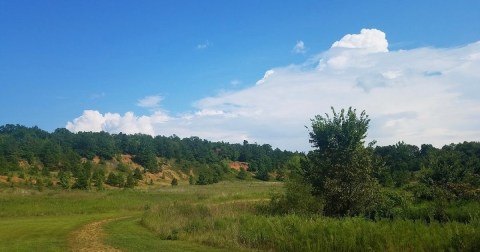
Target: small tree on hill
(131, 182)
(64, 179)
(137, 174)
(340, 169)
(174, 182)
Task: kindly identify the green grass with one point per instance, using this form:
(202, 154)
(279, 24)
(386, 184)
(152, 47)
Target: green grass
(295, 233)
(130, 235)
(42, 221)
(40, 233)
(217, 217)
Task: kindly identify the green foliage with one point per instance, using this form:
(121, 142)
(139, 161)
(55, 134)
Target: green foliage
(242, 174)
(115, 179)
(64, 179)
(297, 199)
(121, 167)
(340, 169)
(39, 184)
(202, 179)
(98, 178)
(400, 160)
(131, 182)
(63, 150)
(137, 174)
(147, 158)
(262, 174)
(83, 180)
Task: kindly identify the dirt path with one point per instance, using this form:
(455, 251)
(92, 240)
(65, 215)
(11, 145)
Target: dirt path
(89, 238)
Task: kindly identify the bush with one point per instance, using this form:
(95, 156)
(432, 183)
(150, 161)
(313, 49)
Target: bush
(242, 174)
(297, 199)
(174, 182)
(115, 179)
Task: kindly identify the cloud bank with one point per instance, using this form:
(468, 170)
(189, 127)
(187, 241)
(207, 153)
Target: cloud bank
(423, 95)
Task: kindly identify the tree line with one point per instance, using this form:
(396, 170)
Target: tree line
(339, 159)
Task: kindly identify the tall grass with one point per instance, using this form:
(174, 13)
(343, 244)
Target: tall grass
(295, 233)
(238, 225)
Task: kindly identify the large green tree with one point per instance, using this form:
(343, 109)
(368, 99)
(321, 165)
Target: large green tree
(340, 169)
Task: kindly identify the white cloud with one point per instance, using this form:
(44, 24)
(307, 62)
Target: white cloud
(129, 123)
(203, 45)
(299, 47)
(423, 95)
(370, 39)
(150, 101)
(91, 120)
(267, 75)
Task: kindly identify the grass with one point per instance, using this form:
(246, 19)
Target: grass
(130, 235)
(295, 233)
(40, 233)
(215, 220)
(217, 217)
(42, 221)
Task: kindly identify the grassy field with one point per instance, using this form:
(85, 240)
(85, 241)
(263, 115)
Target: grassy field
(43, 221)
(217, 217)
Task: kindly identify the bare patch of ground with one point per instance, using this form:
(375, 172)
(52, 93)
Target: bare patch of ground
(238, 165)
(89, 238)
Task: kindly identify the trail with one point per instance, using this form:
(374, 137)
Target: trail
(89, 237)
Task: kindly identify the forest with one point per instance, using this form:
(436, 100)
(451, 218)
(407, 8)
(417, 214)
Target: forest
(38, 153)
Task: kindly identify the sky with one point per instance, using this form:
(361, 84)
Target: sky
(243, 70)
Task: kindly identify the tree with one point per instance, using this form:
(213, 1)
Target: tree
(174, 182)
(64, 179)
(137, 174)
(146, 157)
(131, 182)
(340, 169)
(115, 179)
(202, 179)
(84, 177)
(99, 178)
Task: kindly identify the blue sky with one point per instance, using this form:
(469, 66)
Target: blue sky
(186, 67)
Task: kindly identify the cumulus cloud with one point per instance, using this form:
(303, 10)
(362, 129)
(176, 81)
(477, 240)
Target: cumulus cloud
(129, 123)
(150, 101)
(299, 47)
(423, 95)
(369, 39)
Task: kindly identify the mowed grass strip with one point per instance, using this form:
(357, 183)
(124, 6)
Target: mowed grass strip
(41, 233)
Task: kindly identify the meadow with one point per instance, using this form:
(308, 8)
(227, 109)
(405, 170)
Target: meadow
(218, 217)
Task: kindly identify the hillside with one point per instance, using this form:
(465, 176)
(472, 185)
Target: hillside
(86, 159)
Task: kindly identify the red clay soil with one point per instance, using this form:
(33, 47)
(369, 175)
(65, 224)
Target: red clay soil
(238, 165)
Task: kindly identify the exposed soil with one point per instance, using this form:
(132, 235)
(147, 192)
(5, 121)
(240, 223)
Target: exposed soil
(238, 165)
(89, 238)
